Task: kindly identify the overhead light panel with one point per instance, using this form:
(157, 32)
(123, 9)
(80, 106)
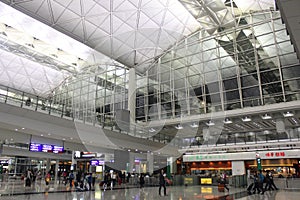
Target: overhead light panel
(266, 116)
(210, 123)
(151, 130)
(246, 119)
(194, 125)
(179, 127)
(227, 121)
(288, 114)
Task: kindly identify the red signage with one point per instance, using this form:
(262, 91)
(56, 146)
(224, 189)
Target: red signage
(275, 154)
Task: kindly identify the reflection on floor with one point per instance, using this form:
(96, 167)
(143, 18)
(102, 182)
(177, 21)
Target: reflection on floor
(148, 193)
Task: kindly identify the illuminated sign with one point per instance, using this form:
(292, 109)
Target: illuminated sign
(207, 181)
(58, 149)
(275, 154)
(94, 162)
(35, 147)
(47, 148)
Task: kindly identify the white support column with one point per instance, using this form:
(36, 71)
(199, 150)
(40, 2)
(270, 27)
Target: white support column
(172, 163)
(56, 171)
(48, 165)
(131, 162)
(150, 160)
(132, 95)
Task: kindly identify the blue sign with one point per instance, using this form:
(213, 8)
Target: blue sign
(35, 147)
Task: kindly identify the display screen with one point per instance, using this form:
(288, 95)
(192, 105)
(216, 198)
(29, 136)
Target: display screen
(58, 149)
(94, 162)
(35, 147)
(47, 148)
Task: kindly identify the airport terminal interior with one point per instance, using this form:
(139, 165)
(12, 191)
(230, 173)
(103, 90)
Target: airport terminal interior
(149, 99)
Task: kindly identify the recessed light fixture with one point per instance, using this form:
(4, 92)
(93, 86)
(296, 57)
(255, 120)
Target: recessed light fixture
(210, 123)
(23, 128)
(227, 121)
(129, 150)
(179, 127)
(288, 114)
(266, 116)
(246, 119)
(42, 135)
(195, 125)
(16, 129)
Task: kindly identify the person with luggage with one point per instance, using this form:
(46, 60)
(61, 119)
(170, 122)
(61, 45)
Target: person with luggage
(162, 183)
(272, 181)
(28, 178)
(255, 185)
(223, 181)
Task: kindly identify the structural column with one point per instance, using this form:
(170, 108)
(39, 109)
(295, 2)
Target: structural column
(132, 94)
(171, 162)
(131, 162)
(48, 165)
(150, 162)
(56, 172)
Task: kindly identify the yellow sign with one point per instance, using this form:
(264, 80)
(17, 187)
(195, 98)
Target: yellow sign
(207, 181)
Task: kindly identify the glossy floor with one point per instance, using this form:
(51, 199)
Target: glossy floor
(151, 193)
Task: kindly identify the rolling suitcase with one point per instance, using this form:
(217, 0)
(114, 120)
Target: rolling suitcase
(27, 182)
(221, 187)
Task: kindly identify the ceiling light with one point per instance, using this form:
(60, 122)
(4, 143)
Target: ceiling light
(227, 121)
(179, 127)
(210, 123)
(266, 116)
(194, 125)
(288, 114)
(151, 130)
(246, 119)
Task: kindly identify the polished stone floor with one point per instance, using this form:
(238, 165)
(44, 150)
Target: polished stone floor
(148, 193)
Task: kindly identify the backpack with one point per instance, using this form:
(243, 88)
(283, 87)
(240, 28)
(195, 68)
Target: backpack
(261, 178)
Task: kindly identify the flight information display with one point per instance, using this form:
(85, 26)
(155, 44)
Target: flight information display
(58, 149)
(47, 148)
(36, 147)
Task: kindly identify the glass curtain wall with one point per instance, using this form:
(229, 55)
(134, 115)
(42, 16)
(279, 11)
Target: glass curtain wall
(251, 64)
(94, 95)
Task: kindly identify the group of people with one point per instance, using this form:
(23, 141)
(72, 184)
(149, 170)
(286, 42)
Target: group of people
(258, 183)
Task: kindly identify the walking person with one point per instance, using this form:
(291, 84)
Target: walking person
(142, 181)
(162, 183)
(71, 179)
(268, 185)
(261, 179)
(272, 181)
(224, 181)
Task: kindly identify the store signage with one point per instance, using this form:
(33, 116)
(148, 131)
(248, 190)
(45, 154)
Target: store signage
(243, 156)
(80, 155)
(275, 154)
(36, 147)
(3, 161)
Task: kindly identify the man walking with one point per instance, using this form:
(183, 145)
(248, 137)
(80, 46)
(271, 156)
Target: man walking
(162, 183)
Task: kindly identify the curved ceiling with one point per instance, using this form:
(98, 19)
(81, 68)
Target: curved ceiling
(70, 35)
